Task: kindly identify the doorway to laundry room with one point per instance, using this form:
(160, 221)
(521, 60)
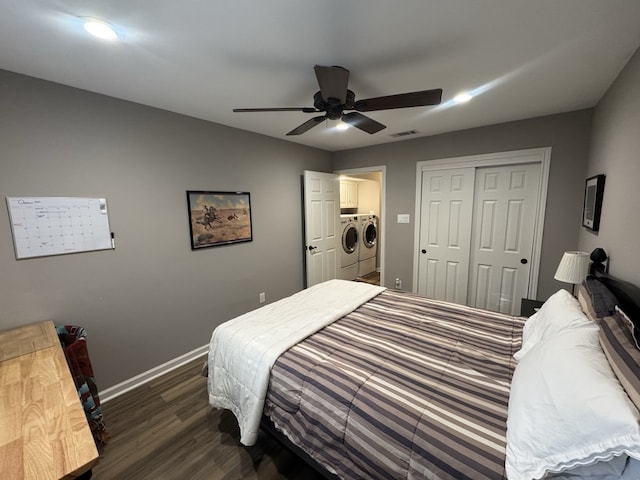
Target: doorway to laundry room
(362, 214)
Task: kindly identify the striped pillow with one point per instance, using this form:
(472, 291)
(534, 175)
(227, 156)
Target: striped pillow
(584, 299)
(630, 324)
(623, 355)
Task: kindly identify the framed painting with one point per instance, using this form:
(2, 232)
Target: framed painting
(218, 218)
(593, 193)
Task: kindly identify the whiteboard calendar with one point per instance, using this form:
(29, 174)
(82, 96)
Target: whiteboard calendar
(58, 225)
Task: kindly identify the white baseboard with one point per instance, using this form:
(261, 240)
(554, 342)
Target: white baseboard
(123, 387)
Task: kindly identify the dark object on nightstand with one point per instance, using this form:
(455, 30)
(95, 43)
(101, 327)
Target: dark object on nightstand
(528, 307)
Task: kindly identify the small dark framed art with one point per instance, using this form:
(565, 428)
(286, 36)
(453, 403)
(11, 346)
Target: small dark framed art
(218, 218)
(593, 193)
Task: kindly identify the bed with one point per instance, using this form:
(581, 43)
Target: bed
(367, 382)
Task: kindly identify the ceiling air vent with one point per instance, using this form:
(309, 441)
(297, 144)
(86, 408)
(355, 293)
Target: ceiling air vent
(404, 134)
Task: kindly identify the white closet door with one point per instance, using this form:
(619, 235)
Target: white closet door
(505, 209)
(445, 232)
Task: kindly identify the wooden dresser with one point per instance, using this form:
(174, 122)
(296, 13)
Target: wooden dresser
(44, 433)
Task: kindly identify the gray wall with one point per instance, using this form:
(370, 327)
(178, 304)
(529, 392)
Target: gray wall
(567, 134)
(152, 299)
(615, 151)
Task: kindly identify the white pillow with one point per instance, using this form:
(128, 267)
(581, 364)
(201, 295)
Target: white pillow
(567, 409)
(561, 311)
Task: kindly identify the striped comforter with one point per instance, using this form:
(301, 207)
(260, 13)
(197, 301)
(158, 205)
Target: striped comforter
(403, 387)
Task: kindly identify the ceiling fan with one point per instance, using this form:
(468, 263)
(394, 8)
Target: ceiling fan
(334, 98)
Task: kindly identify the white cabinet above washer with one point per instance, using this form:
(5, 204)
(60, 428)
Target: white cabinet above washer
(348, 194)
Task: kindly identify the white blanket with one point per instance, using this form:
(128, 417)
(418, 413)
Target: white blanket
(243, 350)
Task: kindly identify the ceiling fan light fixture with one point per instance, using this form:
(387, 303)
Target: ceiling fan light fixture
(100, 28)
(342, 126)
(334, 98)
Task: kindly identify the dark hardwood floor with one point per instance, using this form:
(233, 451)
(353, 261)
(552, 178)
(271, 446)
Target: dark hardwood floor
(166, 430)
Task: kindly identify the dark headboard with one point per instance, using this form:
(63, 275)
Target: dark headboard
(627, 294)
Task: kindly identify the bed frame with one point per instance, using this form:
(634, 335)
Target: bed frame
(267, 425)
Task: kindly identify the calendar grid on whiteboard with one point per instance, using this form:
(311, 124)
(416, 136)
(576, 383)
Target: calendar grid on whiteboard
(44, 226)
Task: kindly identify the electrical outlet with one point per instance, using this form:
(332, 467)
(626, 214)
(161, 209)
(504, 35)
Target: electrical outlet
(262, 297)
(398, 283)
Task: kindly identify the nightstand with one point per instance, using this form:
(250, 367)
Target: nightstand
(528, 307)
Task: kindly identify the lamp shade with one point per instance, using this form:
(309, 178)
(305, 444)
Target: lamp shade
(573, 267)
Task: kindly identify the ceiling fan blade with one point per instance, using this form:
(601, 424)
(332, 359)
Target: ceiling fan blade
(333, 82)
(403, 100)
(362, 122)
(308, 125)
(291, 109)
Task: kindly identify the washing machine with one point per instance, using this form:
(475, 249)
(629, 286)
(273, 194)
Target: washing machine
(350, 247)
(368, 244)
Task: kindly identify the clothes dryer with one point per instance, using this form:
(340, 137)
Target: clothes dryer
(368, 244)
(350, 247)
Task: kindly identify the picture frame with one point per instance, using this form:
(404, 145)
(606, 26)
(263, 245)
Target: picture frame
(218, 218)
(593, 194)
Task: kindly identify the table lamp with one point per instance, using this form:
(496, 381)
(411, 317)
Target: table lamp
(573, 267)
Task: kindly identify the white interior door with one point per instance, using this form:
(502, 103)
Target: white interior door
(502, 238)
(322, 215)
(445, 233)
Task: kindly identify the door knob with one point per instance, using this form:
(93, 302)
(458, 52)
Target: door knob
(423, 251)
(311, 248)
(523, 261)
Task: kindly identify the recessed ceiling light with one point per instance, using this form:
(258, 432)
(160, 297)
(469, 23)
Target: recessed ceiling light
(462, 97)
(99, 28)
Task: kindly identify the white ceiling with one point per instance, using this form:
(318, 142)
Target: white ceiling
(203, 58)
